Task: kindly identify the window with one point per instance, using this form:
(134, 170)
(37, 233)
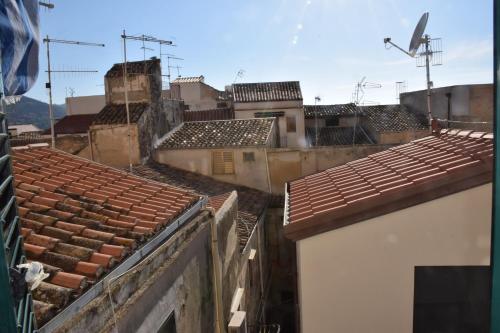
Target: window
(168, 325)
(223, 163)
(248, 157)
(332, 122)
(291, 126)
(221, 104)
(451, 299)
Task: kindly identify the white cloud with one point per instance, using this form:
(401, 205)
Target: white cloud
(470, 50)
(404, 22)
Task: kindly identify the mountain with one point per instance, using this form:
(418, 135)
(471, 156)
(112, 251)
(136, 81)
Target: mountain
(31, 111)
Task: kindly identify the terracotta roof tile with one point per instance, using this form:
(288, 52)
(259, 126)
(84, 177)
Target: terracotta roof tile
(267, 92)
(420, 170)
(220, 133)
(251, 203)
(77, 219)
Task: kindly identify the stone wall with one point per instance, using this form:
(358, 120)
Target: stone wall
(239, 270)
(175, 278)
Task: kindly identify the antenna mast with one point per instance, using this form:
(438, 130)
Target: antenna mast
(48, 85)
(430, 51)
(143, 38)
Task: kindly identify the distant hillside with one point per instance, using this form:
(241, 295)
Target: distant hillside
(32, 111)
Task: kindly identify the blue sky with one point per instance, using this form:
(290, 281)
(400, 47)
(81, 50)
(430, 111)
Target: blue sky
(328, 45)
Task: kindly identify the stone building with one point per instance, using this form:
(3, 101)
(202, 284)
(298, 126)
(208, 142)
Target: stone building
(151, 116)
(140, 254)
(233, 151)
(348, 124)
(379, 239)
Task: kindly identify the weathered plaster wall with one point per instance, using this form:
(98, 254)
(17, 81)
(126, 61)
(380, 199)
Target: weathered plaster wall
(176, 277)
(138, 89)
(252, 174)
(288, 164)
(110, 144)
(85, 104)
(197, 95)
(396, 138)
(472, 102)
(74, 144)
(237, 270)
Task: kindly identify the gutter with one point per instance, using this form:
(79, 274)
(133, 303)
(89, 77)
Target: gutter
(141, 253)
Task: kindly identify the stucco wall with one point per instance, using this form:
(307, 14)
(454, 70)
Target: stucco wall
(396, 138)
(252, 174)
(110, 144)
(85, 104)
(472, 102)
(289, 164)
(138, 91)
(197, 95)
(290, 108)
(360, 278)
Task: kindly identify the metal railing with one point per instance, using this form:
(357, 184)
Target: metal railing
(16, 303)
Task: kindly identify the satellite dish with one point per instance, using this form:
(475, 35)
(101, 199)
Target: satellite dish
(417, 34)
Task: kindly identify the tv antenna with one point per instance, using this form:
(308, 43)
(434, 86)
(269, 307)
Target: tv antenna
(239, 75)
(358, 100)
(428, 52)
(169, 67)
(143, 38)
(401, 87)
(48, 85)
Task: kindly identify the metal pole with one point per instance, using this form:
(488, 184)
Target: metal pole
(429, 83)
(316, 121)
(168, 66)
(125, 83)
(51, 112)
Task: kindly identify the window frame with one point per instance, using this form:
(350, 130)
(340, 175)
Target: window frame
(226, 158)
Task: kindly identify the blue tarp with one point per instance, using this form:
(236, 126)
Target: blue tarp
(19, 45)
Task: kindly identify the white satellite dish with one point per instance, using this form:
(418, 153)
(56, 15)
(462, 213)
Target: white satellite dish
(416, 40)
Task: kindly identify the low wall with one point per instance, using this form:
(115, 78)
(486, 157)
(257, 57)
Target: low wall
(175, 278)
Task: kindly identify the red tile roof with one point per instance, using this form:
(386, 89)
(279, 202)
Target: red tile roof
(80, 218)
(399, 177)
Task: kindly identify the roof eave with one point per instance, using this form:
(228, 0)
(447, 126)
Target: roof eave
(390, 202)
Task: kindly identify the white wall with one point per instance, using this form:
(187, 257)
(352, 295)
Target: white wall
(252, 174)
(360, 278)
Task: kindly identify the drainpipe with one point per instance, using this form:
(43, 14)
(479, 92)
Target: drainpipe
(219, 315)
(267, 171)
(89, 135)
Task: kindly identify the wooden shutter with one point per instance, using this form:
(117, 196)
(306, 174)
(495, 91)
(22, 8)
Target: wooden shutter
(223, 162)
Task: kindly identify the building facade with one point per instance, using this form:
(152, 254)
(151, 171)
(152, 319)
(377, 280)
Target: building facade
(380, 240)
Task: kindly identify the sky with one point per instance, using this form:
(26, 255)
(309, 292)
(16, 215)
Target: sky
(327, 45)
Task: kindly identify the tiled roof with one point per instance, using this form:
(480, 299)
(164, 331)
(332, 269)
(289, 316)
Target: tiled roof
(206, 115)
(80, 218)
(251, 203)
(393, 118)
(189, 79)
(117, 113)
(333, 136)
(74, 124)
(220, 133)
(397, 178)
(134, 67)
(267, 91)
(325, 111)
